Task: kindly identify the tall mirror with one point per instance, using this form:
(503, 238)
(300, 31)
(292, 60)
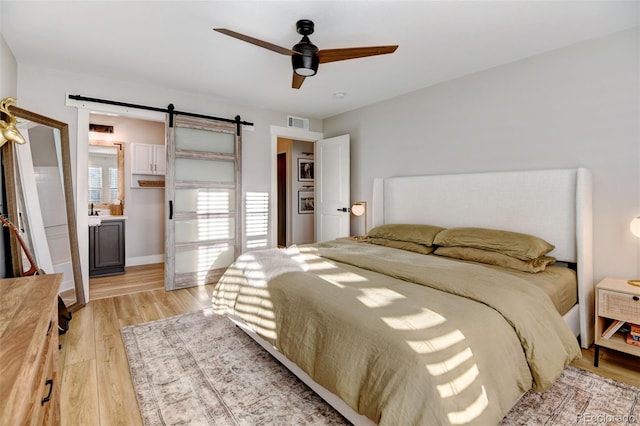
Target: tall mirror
(43, 202)
(106, 174)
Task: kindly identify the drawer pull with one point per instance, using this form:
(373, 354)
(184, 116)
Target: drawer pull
(636, 298)
(47, 398)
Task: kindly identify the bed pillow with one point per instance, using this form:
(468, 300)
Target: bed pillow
(402, 245)
(420, 234)
(495, 258)
(514, 244)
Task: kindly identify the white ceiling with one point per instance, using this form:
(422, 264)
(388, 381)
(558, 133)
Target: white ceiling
(171, 43)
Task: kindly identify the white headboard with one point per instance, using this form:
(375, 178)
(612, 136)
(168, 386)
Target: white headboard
(552, 204)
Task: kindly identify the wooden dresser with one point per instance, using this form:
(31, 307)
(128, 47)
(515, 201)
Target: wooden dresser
(29, 380)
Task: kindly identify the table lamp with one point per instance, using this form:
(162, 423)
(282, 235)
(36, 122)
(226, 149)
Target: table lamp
(359, 208)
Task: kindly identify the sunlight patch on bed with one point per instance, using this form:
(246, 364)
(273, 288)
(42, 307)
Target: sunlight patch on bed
(251, 296)
(320, 266)
(421, 320)
(460, 383)
(339, 279)
(442, 367)
(472, 411)
(438, 343)
(379, 297)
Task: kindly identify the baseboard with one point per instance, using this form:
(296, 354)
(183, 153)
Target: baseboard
(144, 260)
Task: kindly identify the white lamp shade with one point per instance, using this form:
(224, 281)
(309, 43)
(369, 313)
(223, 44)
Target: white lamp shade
(357, 209)
(635, 226)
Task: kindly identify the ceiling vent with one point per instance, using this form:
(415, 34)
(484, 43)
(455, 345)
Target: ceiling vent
(298, 122)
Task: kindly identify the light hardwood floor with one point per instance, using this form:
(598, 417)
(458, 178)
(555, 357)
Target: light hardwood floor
(96, 384)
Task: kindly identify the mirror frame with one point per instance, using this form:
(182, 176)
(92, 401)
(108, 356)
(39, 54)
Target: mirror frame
(68, 195)
(120, 147)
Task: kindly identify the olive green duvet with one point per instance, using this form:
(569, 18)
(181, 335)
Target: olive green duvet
(403, 338)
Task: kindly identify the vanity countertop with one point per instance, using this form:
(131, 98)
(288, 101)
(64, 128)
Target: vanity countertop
(104, 217)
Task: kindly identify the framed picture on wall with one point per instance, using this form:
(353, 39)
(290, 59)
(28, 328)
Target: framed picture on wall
(306, 202)
(305, 170)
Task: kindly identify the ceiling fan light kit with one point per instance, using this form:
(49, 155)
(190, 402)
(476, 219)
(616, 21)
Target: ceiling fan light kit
(305, 56)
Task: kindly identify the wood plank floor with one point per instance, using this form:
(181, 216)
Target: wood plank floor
(96, 383)
(137, 279)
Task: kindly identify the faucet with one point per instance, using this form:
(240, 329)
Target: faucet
(92, 212)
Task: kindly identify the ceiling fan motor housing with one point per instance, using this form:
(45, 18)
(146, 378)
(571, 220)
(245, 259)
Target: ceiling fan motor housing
(305, 27)
(306, 63)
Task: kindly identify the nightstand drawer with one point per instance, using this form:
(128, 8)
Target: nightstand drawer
(619, 306)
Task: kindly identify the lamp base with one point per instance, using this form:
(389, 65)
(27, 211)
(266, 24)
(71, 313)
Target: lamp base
(634, 282)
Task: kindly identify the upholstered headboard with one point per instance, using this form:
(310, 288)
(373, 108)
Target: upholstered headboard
(552, 204)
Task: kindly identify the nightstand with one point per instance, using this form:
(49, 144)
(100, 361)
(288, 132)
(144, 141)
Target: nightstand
(617, 302)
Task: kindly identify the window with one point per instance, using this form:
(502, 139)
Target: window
(257, 219)
(95, 184)
(113, 184)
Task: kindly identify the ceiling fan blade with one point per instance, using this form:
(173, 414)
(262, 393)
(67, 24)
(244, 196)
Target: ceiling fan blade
(257, 42)
(297, 81)
(332, 55)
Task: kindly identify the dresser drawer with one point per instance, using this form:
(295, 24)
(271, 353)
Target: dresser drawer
(29, 351)
(620, 306)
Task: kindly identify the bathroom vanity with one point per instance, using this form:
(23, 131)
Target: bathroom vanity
(106, 246)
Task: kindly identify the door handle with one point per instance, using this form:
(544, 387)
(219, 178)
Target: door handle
(344, 210)
(170, 209)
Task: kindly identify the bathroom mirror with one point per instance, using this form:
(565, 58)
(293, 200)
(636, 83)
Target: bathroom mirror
(106, 173)
(44, 195)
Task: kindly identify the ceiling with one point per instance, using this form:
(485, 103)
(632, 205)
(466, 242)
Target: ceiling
(172, 44)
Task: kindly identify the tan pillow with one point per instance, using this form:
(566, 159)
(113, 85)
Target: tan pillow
(515, 244)
(421, 234)
(494, 258)
(402, 245)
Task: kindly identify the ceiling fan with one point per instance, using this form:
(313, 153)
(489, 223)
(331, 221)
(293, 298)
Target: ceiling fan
(305, 56)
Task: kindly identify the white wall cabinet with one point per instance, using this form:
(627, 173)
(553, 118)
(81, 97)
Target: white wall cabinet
(148, 165)
(148, 159)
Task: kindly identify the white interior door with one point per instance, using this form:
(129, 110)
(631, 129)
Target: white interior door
(332, 195)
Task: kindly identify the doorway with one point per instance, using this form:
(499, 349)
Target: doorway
(276, 211)
(86, 114)
(295, 192)
(282, 199)
(131, 234)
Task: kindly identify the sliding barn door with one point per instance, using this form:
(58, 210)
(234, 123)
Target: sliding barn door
(203, 196)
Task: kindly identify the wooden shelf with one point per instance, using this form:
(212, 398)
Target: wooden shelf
(150, 183)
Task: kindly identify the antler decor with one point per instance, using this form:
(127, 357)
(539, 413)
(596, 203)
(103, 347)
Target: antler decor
(8, 130)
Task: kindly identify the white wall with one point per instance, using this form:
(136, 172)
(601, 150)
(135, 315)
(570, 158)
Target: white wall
(8, 70)
(44, 91)
(572, 107)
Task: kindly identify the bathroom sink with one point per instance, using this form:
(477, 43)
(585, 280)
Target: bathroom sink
(94, 220)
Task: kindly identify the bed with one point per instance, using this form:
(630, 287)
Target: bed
(392, 336)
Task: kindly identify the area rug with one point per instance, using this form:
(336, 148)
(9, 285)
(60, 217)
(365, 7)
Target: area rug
(200, 369)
